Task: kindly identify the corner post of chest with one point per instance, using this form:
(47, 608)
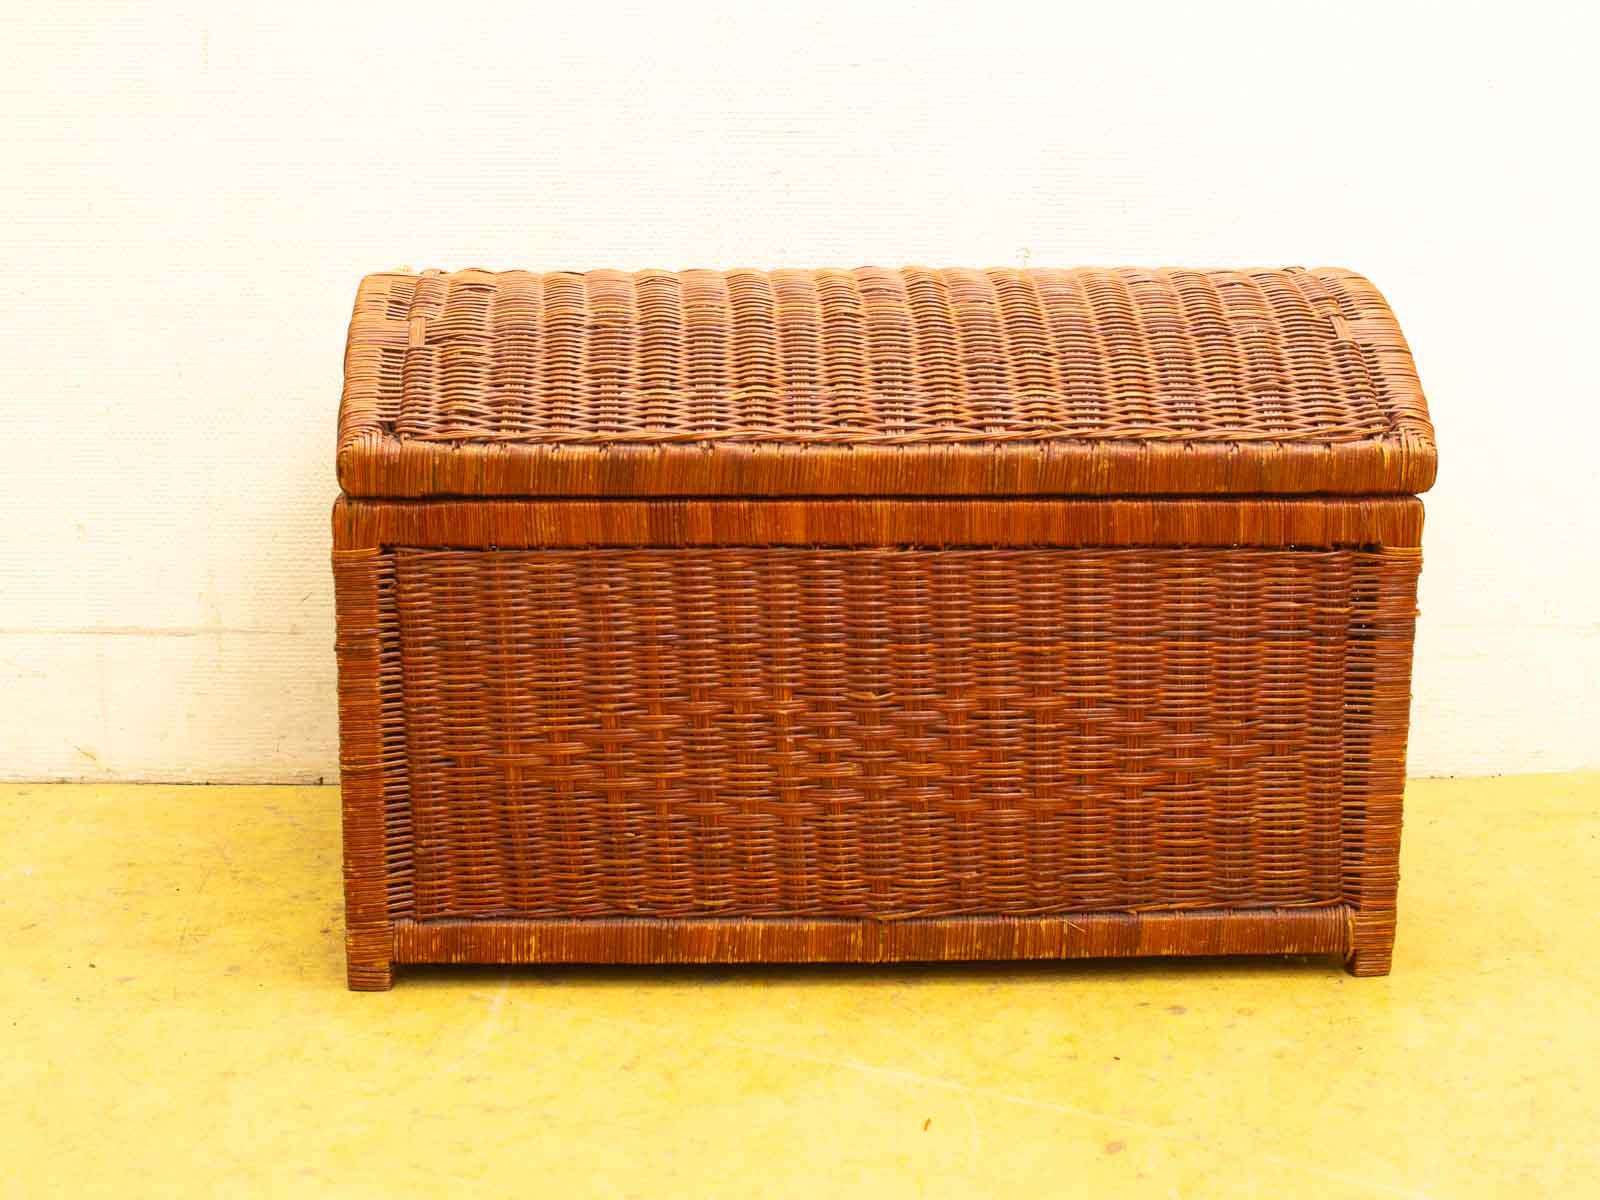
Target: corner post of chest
(358, 569)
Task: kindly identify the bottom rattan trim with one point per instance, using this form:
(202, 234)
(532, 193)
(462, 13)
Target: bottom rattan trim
(1324, 930)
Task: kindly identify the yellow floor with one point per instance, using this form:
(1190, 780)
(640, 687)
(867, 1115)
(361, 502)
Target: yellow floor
(174, 990)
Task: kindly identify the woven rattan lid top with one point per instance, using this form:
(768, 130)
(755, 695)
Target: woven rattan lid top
(879, 382)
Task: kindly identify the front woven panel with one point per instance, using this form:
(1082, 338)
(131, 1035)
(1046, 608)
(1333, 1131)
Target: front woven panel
(888, 732)
(879, 357)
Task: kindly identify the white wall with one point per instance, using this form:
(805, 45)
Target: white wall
(188, 197)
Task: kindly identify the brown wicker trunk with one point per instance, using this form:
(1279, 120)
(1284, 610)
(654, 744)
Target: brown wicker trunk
(874, 615)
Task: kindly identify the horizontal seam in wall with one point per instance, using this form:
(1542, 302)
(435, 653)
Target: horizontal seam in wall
(147, 631)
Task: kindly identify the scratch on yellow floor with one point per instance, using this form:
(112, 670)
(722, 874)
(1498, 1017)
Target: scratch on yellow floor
(966, 1091)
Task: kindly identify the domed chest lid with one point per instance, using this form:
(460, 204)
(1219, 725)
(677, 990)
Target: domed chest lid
(874, 381)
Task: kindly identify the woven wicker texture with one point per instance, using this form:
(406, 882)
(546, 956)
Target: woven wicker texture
(723, 730)
(878, 381)
(781, 732)
(874, 615)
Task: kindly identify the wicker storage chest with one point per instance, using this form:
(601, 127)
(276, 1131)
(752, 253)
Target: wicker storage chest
(874, 615)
